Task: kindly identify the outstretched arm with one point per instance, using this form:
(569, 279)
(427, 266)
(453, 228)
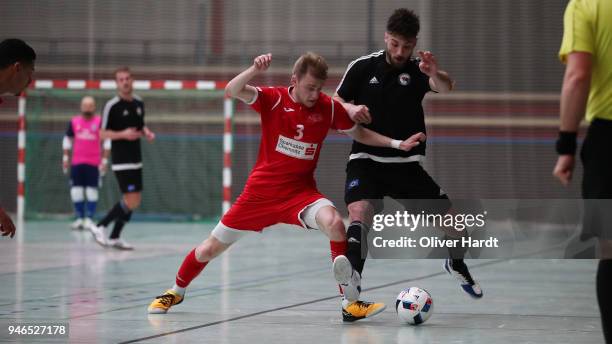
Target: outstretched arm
(439, 80)
(129, 134)
(372, 138)
(357, 113)
(238, 87)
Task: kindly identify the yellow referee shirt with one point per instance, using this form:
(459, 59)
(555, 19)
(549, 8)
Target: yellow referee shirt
(587, 27)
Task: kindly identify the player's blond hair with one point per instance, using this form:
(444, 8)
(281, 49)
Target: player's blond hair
(311, 63)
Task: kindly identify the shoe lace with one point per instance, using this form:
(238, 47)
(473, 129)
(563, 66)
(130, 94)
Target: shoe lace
(166, 299)
(363, 304)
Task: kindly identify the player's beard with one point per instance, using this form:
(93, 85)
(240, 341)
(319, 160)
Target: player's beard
(395, 63)
(87, 114)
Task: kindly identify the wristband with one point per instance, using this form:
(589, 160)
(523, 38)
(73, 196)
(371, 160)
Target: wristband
(395, 144)
(65, 158)
(566, 143)
(104, 161)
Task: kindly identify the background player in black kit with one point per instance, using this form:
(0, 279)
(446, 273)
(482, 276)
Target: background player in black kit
(384, 91)
(123, 123)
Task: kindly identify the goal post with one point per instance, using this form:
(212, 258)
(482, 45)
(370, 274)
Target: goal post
(187, 170)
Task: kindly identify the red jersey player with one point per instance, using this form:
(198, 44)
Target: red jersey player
(281, 187)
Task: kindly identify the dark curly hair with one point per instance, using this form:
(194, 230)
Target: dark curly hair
(403, 22)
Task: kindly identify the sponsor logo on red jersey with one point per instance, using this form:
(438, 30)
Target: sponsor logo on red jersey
(296, 149)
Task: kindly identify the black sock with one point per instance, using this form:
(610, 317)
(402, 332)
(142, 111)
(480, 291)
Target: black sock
(604, 297)
(357, 249)
(458, 264)
(115, 212)
(456, 253)
(119, 223)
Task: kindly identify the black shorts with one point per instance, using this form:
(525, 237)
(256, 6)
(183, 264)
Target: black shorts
(129, 180)
(597, 180)
(84, 175)
(405, 182)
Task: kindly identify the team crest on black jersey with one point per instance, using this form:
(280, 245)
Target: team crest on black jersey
(139, 111)
(404, 79)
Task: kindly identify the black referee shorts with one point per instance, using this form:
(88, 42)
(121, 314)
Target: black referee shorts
(597, 180)
(129, 180)
(405, 182)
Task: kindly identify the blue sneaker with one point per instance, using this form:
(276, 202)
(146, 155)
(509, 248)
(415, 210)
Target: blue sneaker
(459, 270)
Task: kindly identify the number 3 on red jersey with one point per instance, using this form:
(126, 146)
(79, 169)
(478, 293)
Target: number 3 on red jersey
(300, 132)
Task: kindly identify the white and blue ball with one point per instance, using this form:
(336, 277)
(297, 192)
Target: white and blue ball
(414, 305)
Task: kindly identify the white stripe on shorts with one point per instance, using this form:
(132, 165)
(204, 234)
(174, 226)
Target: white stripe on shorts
(308, 215)
(228, 235)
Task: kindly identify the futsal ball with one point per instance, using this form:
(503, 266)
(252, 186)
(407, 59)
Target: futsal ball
(414, 305)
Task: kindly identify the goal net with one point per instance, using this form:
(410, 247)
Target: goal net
(183, 167)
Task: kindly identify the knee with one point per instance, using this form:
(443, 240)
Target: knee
(360, 211)
(135, 204)
(132, 201)
(76, 194)
(92, 194)
(331, 222)
(209, 249)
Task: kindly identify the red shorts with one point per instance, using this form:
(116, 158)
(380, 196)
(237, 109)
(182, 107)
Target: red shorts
(253, 212)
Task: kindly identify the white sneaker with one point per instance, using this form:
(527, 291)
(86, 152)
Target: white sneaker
(78, 224)
(462, 274)
(98, 234)
(87, 223)
(348, 278)
(119, 244)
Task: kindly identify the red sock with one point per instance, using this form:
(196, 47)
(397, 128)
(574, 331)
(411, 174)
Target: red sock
(337, 248)
(189, 270)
